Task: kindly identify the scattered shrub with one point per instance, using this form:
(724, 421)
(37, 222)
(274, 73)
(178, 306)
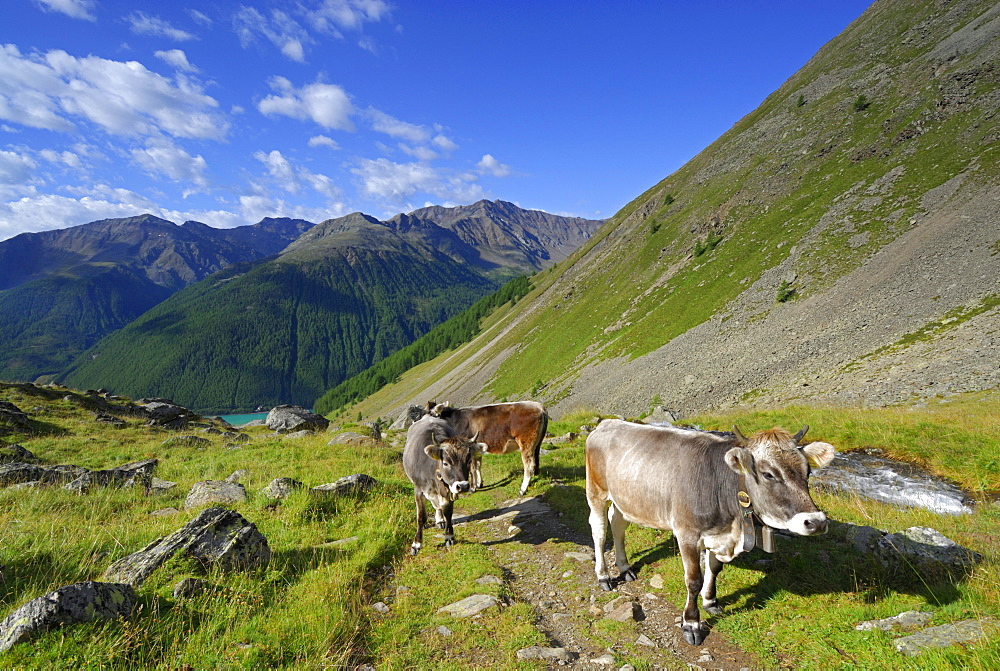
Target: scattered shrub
(710, 243)
(862, 103)
(786, 292)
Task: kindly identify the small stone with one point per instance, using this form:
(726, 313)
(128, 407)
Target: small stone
(512, 529)
(567, 574)
(646, 641)
(445, 631)
(470, 605)
(625, 612)
(380, 607)
(656, 582)
(605, 660)
(627, 667)
(164, 512)
(539, 652)
(580, 556)
(705, 658)
(910, 619)
(595, 610)
(489, 580)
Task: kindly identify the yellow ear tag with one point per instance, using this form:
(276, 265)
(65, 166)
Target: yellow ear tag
(744, 499)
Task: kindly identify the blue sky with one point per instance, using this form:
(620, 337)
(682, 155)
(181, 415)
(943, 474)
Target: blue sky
(229, 111)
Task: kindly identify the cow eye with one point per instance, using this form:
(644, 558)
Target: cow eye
(446, 464)
(769, 476)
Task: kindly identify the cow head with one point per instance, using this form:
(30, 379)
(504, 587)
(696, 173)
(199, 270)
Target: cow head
(776, 469)
(454, 457)
(442, 410)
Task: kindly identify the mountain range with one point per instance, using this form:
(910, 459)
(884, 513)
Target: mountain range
(228, 319)
(839, 244)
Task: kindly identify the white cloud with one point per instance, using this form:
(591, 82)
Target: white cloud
(384, 123)
(162, 157)
(323, 141)
(78, 9)
(44, 212)
(253, 208)
(176, 58)
(321, 184)
(15, 168)
(326, 104)
(333, 16)
(395, 182)
(443, 143)
(55, 90)
(490, 166)
(419, 153)
(143, 24)
(200, 17)
(280, 169)
(280, 29)
(66, 158)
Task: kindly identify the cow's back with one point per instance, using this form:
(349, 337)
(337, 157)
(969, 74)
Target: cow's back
(653, 474)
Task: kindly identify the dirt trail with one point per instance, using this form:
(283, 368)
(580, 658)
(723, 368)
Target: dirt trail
(549, 565)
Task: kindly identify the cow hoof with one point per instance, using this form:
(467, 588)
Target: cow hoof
(628, 576)
(605, 584)
(694, 634)
(441, 525)
(713, 609)
(414, 551)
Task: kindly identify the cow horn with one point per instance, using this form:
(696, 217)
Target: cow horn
(798, 436)
(740, 438)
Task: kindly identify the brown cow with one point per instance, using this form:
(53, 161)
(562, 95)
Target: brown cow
(709, 489)
(503, 427)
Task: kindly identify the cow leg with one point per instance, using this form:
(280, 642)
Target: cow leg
(449, 530)
(599, 529)
(691, 627)
(438, 518)
(476, 473)
(618, 525)
(418, 540)
(712, 568)
(530, 465)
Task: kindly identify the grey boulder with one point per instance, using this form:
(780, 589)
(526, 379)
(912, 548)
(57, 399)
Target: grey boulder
(72, 604)
(288, 418)
(216, 537)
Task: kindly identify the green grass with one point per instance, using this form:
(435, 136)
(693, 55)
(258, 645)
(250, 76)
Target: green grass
(310, 607)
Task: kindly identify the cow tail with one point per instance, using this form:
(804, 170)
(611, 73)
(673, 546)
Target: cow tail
(541, 437)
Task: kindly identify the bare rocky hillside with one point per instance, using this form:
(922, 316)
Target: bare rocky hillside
(840, 244)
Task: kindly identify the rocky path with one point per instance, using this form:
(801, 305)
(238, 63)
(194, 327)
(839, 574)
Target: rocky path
(549, 565)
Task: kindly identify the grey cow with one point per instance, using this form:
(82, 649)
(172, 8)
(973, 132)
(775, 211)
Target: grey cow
(437, 462)
(709, 489)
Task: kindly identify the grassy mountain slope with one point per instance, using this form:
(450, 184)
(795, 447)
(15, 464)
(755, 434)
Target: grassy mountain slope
(280, 331)
(62, 291)
(862, 193)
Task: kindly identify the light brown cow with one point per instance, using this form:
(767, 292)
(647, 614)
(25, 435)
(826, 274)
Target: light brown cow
(708, 488)
(503, 427)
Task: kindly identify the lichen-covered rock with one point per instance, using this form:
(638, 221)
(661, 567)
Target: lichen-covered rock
(359, 483)
(82, 602)
(351, 438)
(17, 472)
(191, 587)
(928, 552)
(12, 453)
(945, 635)
(288, 418)
(186, 441)
(281, 488)
(215, 491)
(134, 474)
(216, 537)
(12, 417)
(164, 412)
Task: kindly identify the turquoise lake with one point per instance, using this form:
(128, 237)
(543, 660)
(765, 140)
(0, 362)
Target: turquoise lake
(239, 420)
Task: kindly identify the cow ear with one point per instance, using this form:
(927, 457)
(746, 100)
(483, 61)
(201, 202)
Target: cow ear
(434, 452)
(819, 454)
(740, 460)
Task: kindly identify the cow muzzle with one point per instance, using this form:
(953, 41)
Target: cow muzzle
(459, 487)
(808, 524)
